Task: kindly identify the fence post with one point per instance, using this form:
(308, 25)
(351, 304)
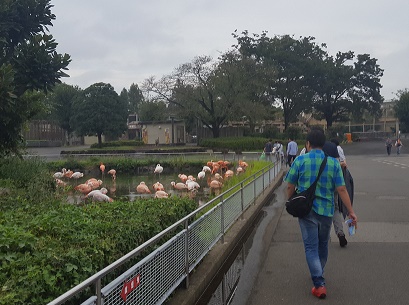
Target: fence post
(98, 291)
(222, 217)
(224, 290)
(254, 189)
(263, 179)
(241, 200)
(187, 253)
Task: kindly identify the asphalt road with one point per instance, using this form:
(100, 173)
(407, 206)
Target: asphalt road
(372, 269)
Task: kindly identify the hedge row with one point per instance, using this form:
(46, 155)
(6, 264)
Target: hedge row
(118, 143)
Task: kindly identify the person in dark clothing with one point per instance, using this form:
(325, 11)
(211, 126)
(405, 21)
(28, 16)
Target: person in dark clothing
(268, 149)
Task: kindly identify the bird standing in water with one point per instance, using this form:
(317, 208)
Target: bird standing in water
(113, 173)
(102, 168)
(158, 169)
(142, 188)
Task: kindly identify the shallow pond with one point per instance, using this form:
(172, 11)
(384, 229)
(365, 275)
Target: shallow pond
(124, 187)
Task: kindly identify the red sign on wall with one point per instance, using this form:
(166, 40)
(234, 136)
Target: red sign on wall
(130, 286)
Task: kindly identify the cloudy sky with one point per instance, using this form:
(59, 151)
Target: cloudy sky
(125, 41)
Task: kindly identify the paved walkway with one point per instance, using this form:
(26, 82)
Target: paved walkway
(372, 269)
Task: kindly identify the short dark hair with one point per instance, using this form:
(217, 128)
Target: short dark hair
(335, 141)
(316, 137)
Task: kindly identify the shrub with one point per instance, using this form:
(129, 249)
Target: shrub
(118, 144)
(235, 144)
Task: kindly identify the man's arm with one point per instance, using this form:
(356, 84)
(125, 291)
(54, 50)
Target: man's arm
(290, 189)
(343, 194)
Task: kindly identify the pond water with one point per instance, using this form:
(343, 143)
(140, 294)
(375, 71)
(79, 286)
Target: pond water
(124, 187)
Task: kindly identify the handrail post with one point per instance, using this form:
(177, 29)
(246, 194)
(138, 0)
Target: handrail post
(222, 218)
(263, 174)
(187, 253)
(98, 291)
(254, 189)
(241, 200)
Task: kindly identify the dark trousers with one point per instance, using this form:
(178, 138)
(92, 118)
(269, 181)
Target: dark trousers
(290, 159)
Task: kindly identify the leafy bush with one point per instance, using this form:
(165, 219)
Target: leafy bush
(118, 144)
(47, 253)
(235, 144)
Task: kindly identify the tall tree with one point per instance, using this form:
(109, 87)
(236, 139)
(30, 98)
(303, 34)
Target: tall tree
(134, 98)
(333, 80)
(291, 59)
(28, 62)
(401, 109)
(62, 98)
(99, 110)
(207, 90)
(153, 111)
(342, 88)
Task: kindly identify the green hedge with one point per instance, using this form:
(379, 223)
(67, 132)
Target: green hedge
(118, 143)
(48, 251)
(236, 144)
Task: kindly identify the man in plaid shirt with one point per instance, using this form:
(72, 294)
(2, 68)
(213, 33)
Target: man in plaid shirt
(316, 226)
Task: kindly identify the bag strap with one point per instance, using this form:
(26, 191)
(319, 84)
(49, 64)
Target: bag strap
(323, 163)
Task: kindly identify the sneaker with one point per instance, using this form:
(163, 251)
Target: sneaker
(320, 292)
(342, 240)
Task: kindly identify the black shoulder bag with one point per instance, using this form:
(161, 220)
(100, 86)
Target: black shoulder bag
(299, 205)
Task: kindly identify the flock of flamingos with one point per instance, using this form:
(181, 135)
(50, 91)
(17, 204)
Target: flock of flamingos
(214, 173)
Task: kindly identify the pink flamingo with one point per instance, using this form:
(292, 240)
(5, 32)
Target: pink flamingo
(161, 194)
(83, 188)
(158, 186)
(179, 186)
(228, 174)
(102, 168)
(182, 177)
(142, 188)
(94, 183)
(113, 173)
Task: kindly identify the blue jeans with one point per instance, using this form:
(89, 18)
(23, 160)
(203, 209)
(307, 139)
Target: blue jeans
(315, 230)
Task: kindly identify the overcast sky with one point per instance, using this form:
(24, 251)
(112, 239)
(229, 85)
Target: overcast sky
(125, 41)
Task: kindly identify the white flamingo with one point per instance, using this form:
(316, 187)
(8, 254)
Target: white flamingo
(59, 175)
(201, 175)
(77, 175)
(158, 169)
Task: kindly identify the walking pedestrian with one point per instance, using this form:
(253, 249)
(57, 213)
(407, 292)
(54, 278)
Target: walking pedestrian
(388, 144)
(292, 149)
(316, 226)
(268, 149)
(398, 145)
(338, 218)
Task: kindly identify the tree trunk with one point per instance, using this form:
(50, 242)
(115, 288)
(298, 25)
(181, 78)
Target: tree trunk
(99, 139)
(216, 132)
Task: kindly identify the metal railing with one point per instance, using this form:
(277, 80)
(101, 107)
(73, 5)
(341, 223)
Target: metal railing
(155, 277)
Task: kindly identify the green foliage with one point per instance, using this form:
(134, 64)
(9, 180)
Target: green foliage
(294, 133)
(61, 100)
(99, 110)
(47, 247)
(402, 109)
(152, 111)
(29, 63)
(235, 144)
(130, 143)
